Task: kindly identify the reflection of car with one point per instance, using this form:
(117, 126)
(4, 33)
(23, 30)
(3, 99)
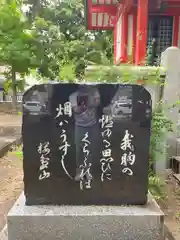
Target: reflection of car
(121, 108)
(34, 108)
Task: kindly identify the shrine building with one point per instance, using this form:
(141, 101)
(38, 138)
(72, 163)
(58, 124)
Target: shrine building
(135, 24)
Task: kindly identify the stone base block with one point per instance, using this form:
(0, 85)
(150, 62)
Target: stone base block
(4, 233)
(85, 222)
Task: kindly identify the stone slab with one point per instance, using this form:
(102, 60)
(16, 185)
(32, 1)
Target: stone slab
(85, 222)
(4, 233)
(118, 144)
(8, 143)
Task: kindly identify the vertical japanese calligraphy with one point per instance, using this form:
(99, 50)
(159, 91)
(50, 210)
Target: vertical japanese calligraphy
(106, 160)
(65, 110)
(128, 158)
(43, 150)
(85, 176)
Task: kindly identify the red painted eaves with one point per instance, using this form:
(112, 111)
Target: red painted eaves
(111, 9)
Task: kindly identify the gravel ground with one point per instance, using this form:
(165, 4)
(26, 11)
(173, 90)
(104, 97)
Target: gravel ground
(11, 184)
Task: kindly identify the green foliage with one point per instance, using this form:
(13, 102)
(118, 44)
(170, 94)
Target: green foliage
(18, 47)
(49, 36)
(160, 127)
(153, 58)
(149, 56)
(67, 73)
(19, 154)
(72, 44)
(16, 40)
(17, 151)
(124, 74)
(50, 46)
(156, 187)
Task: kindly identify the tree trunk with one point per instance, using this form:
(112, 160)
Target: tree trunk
(14, 93)
(35, 8)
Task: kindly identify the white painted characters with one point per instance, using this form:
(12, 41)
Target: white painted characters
(64, 149)
(128, 158)
(64, 110)
(43, 148)
(106, 160)
(106, 121)
(85, 176)
(65, 144)
(106, 152)
(126, 142)
(44, 151)
(106, 168)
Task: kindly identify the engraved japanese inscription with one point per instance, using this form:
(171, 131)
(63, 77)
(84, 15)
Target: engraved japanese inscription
(86, 144)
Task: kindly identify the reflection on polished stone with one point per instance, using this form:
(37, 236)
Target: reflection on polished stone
(86, 144)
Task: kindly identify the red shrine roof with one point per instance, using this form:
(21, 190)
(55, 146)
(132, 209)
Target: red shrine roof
(100, 14)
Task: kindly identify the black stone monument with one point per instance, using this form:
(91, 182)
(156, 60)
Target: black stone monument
(86, 144)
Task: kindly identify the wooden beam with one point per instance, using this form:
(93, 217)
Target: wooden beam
(97, 28)
(175, 31)
(141, 32)
(111, 9)
(134, 37)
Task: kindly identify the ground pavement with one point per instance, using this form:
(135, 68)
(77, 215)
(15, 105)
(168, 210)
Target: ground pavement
(10, 135)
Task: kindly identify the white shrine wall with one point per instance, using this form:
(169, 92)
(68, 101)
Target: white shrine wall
(130, 35)
(118, 36)
(118, 40)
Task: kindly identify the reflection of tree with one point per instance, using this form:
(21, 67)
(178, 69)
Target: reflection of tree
(37, 97)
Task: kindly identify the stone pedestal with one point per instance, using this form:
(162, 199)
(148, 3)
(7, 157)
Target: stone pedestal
(85, 222)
